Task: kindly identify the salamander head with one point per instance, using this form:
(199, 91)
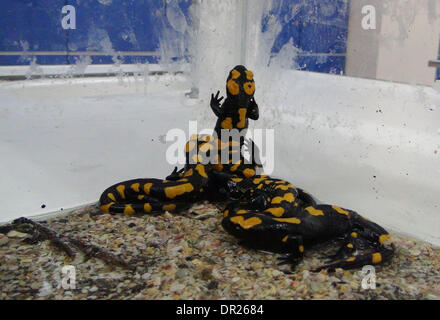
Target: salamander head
(240, 85)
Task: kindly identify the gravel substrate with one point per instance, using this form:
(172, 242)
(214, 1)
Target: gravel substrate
(190, 256)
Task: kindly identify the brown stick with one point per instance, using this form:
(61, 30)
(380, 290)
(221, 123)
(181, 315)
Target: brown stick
(58, 241)
(95, 251)
(89, 249)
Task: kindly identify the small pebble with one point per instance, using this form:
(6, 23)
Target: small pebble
(16, 234)
(3, 240)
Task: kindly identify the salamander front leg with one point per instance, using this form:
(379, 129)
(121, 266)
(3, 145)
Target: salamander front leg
(175, 175)
(296, 249)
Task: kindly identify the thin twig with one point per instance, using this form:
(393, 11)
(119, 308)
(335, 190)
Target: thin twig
(58, 241)
(92, 250)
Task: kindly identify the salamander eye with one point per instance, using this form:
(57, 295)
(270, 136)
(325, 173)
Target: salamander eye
(249, 88)
(233, 87)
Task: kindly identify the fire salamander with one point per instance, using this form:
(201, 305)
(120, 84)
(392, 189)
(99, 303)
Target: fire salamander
(177, 192)
(265, 213)
(232, 121)
(182, 188)
(271, 214)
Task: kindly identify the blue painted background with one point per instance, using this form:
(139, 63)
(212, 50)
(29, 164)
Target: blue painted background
(317, 27)
(129, 25)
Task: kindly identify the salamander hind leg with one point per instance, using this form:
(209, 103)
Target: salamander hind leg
(364, 245)
(379, 255)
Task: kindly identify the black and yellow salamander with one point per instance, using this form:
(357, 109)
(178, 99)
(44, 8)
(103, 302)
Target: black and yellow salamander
(203, 155)
(271, 214)
(173, 194)
(263, 212)
(233, 121)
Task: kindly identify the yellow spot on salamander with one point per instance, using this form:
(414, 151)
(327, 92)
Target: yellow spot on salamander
(288, 220)
(135, 187)
(249, 87)
(169, 207)
(223, 145)
(242, 117)
(248, 172)
(121, 189)
(105, 207)
(351, 259)
(282, 187)
(354, 234)
(225, 213)
(232, 87)
(258, 180)
(237, 179)
(111, 196)
(174, 191)
(197, 158)
(289, 197)
(147, 207)
(314, 212)
(249, 74)
(285, 239)
(147, 188)
(200, 168)
(189, 146)
(260, 186)
(140, 197)
(383, 238)
(235, 74)
(227, 123)
(242, 211)
(376, 258)
(188, 173)
(349, 245)
(234, 167)
(206, 147)
(129, 209)
(340, 210)
(246, 224)
(301, 248)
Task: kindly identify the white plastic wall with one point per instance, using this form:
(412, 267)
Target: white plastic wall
(406, 37)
